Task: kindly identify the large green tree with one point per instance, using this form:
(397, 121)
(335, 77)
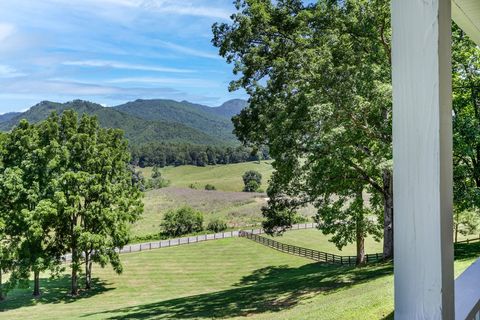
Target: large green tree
(466, 132)
(318, 77)
(95, 196)
(27, 191)
(466, 121)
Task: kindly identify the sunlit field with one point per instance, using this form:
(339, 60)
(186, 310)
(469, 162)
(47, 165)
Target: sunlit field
(223, 177)
(230, 278)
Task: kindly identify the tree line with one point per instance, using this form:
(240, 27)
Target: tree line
(178, 154)
(65, 188)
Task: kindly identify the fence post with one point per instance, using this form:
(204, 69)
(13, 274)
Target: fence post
(169, 242)
(150, 245)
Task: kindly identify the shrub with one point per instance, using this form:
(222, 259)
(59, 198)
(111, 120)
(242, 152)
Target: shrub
(156, 173)
(252, 181)
(182, 221)
(298, 218)
(210, 187)
(251, 186)
(217, 225)
(157, 183)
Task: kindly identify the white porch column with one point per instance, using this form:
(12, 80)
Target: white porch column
(422, 153)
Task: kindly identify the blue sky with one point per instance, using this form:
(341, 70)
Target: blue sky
(111, 51)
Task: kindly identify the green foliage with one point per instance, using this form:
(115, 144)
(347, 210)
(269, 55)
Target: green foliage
(210, 187)
(66, 187)
(156, 173)
(217, 225)
(465, 222)
(319, 80)
(466, 122)
(348, 220)
(156, 182)
(95, 196)
(182, 221)
(168, 154)
(252, 181)
(28, 180)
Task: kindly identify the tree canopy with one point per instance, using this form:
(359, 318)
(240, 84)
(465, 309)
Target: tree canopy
(65, 187)
(319, 81)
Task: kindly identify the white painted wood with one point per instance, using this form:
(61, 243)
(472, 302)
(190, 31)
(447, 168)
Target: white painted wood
(422, 152)
(466, 13)
(467, 293)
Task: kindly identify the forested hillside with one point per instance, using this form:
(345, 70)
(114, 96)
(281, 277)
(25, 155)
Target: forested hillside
(147, 121)
(201, 118)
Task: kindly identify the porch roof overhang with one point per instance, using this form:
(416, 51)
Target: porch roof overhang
(466, 13)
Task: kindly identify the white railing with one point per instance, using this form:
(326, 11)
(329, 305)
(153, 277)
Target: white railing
(467, 293)
(189, 240)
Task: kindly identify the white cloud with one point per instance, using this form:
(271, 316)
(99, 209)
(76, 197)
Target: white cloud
(185, 8)
(9, 72)
(189, 82)
(121, 65)
(188, 51)
(6, 30)
(196, 8)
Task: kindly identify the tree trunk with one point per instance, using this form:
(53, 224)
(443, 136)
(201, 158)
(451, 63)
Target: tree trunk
(75, 263)
(88, 271)
(456, 233)
(360, 244)
(2, 296)
(36, 283)
(388, 215)
(74, 291)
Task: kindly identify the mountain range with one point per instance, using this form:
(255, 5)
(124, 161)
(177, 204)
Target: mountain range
(146, 121)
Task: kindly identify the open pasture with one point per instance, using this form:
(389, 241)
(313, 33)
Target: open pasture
(223, 177)
(230, 278)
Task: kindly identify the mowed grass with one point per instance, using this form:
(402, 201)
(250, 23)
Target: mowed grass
(315, 239)
(223, 177)
(230, 278)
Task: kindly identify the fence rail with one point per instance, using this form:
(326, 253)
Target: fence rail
(309, 253)
(469, 240)
(190, 240)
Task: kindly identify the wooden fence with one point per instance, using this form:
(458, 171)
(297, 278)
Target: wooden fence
(189, 240)
(469, 240)
(309, 253)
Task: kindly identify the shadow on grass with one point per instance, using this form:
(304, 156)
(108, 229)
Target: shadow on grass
(268, 289)
(464, 251)
(53, 291)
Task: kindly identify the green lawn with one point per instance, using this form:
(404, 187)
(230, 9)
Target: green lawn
(231, 278)
(223, 177)
(315, 239)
